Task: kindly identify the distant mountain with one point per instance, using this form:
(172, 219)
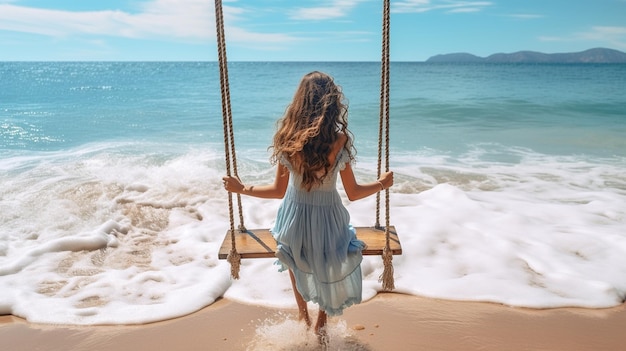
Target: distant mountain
(597, 55)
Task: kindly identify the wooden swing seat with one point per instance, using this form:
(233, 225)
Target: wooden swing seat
(259, 243)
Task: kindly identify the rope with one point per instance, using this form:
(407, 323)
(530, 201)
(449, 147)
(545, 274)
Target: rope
(387, 276)
(234, 258)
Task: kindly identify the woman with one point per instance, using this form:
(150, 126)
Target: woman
(315, 239)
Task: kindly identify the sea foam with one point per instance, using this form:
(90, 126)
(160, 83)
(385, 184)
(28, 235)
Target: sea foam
(100, 235)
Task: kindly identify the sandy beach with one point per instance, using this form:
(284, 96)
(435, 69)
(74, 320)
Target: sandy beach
(388, 322)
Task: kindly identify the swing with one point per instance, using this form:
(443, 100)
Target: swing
(259, 243)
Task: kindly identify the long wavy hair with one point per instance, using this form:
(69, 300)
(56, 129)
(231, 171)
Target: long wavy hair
(311, 125)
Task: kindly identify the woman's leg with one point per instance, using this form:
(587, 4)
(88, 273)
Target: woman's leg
(302, 307)
(321, 320)
(320, 326)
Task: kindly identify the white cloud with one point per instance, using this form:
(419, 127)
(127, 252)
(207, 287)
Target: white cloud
(334, 9)
(525, 16)
(609, 36)
(450, 6)
(550, 38)
(464, 10)
(181, 20)
(158, 18)
(615, 37)
(605, 32)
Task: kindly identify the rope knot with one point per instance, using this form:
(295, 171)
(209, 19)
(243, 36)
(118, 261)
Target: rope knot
(387, 276)
(234, 258)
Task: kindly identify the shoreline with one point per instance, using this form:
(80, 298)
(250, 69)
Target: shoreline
(388, 321)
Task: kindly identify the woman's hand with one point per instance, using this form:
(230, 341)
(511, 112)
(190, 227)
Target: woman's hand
(233, 184)
(386, 179)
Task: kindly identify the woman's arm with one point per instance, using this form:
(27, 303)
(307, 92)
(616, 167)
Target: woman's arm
(269, 191)
(356, 191)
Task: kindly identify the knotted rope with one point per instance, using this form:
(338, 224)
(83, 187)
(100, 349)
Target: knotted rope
(234, 258)
(383, 128)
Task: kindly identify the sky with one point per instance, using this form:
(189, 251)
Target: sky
(301, 30)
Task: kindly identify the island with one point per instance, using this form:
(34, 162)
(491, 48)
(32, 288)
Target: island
(596, 55)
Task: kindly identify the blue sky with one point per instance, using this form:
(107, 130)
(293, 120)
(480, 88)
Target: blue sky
(301, 30)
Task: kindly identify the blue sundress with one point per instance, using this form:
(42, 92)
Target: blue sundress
(316, 241)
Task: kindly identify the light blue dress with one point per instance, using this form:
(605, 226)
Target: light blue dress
(316, 241)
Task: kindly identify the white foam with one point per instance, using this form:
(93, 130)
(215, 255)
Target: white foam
(115, 233)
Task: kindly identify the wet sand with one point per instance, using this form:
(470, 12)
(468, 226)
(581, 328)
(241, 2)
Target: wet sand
(390, 321)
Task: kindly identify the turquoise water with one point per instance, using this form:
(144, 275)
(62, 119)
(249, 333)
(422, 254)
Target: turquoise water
(553, 109)
(510, 183)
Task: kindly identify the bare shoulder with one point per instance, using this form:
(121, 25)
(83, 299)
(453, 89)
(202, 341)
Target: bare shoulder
(337, 146)
(342, 139)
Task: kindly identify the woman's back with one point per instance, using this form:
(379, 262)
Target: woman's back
(338, 158)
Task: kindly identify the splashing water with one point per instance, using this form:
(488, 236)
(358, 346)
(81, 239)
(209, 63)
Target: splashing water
(283, 333)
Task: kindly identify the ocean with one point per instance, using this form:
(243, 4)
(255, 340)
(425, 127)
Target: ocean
(510, 183)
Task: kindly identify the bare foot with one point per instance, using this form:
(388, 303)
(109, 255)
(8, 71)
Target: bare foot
(322, 337)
